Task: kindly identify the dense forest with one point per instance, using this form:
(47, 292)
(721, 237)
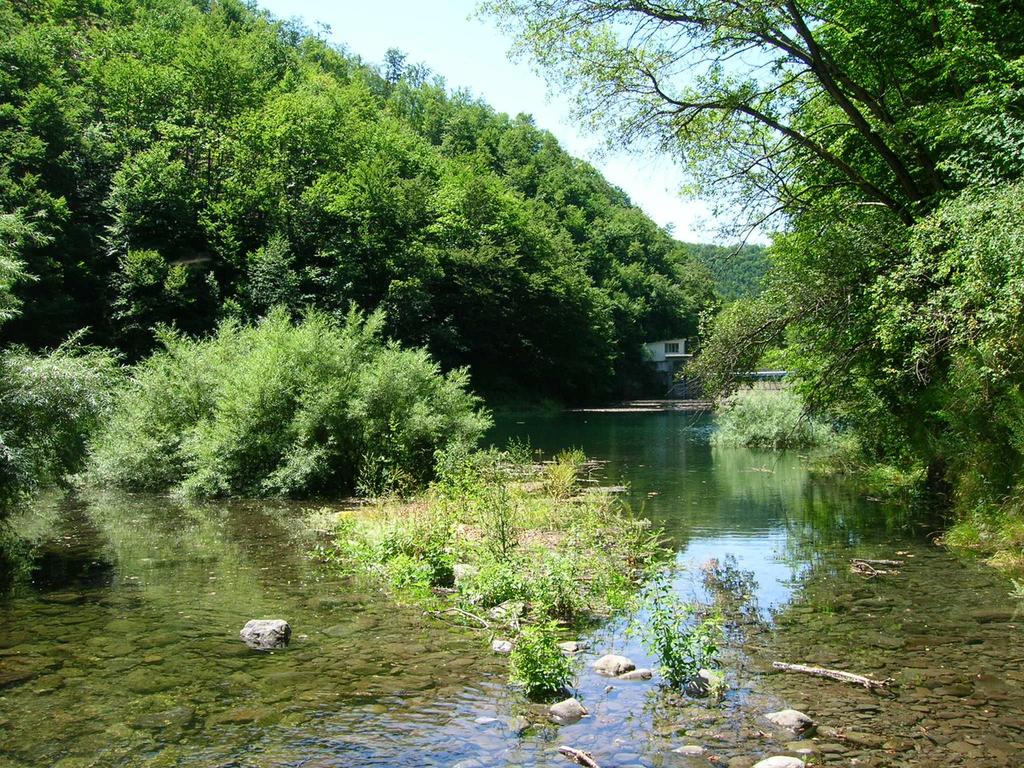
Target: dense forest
(882, 142)
(737, 272)
(177, 163)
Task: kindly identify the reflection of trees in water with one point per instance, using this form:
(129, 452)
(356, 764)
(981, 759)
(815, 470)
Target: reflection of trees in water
(733, 592)
(815, 512)
(22, 535)
(831, 516)
(208, 555)
(211, 555)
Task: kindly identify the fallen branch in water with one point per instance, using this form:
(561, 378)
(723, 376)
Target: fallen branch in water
(835, 674)
(460, 612)
(867, 567)
(877, 562)
(579, 757)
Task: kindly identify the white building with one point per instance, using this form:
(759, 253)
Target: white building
(668, 354)
(666, 357)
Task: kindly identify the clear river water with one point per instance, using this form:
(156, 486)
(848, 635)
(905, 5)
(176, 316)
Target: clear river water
(119, 634)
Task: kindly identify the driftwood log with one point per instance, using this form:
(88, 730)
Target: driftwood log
(836, 674)
(579, 757)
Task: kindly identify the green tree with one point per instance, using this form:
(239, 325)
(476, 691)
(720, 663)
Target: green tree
(883, 142)
(14, 233)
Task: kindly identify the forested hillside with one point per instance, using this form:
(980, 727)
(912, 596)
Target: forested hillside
(182, 163)
(737, 272)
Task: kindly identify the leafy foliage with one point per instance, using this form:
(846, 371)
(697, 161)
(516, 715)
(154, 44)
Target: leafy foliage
(15, 232)
(283, 408)
(883, 140)
(737, 272)
(49, 407)
(537, 663)
(488, 524)
(768, 419)
(684, 642)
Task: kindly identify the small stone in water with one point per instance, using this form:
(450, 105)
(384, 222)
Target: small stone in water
(266, 634)
(690, 750)
(613, 665)
(570, 647)
(780, 761)
(791, 719)
(567, 712)
(805, 747)
(503, 647)
(637, 674)
(517, 724)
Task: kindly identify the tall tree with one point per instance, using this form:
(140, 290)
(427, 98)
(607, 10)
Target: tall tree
(775, 103)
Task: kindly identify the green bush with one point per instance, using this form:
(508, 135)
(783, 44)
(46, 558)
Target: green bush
(495, 582)
(49, 406)
(684, 642)
(562, 479)
(537, 663)
(768, 419)
(285, 409)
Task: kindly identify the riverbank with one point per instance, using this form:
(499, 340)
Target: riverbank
(652, 406)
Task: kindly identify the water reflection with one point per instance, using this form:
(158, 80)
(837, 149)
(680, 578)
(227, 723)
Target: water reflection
(119, 647)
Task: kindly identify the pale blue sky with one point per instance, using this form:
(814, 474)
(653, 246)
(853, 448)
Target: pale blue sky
(471, 53)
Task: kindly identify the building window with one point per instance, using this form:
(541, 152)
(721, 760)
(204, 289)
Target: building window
(671, 347)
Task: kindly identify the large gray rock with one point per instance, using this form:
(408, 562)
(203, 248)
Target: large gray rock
(613, 665)
(780, 761)
(266, 634)
(792, 720)
(567, 712)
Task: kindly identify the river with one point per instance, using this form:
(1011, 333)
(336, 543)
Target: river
(119, 637)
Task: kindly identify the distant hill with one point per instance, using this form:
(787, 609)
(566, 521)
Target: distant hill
(736, 273)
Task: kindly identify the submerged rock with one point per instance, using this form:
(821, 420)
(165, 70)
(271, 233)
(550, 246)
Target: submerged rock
(863, 739)
(569, 647)
(174, 718)
(145, 681)
(804, 747)
(613, 665)
(791, 719)
(567, 712)
(690, 750)
(517, 724)
(503, 647)
(780, 761)
(637, 674)
(704, 682)
(266, 634)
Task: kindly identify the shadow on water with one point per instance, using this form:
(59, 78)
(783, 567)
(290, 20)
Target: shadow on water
(120, 634)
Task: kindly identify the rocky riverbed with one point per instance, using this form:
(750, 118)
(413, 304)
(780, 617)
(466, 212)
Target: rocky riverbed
(123, 648)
